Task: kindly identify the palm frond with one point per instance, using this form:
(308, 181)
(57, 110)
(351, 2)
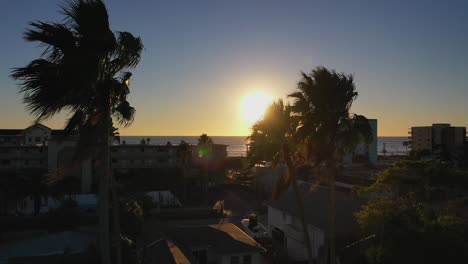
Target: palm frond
(124, 113)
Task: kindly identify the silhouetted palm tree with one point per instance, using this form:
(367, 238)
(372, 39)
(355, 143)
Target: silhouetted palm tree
(321, 103)
(272, 139)
(83, 71)
(204, 139)
(406, 144)
(114, 133)
(205, 153)
(184, 156)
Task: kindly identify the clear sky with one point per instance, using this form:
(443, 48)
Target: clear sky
(201, 58)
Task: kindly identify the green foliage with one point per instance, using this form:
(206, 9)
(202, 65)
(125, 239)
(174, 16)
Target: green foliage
(131, 219)
(83, 70)
(204, 147)
(184, 153)
(204, 139)
(322, 102)
(270, 133)
(420, 215)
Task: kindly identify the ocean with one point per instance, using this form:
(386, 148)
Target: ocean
(237, 145)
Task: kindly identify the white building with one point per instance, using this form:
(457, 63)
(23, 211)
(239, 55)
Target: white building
(286, 227)
(436, 138)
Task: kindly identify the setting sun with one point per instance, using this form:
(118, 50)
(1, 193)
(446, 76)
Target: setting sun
(254, 105)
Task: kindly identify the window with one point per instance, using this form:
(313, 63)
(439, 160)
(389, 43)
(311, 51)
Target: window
(247, 259)
(200, 256)
(30, 140)
(37, 139)
(234, 259)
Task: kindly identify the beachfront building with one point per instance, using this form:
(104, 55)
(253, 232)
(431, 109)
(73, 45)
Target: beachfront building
(437, 138)
(32, 152)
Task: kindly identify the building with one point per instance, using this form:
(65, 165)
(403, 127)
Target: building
(286, 228)
(437, 138)
(218, 244)
(38, 150)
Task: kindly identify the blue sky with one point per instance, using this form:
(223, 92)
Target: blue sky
(202, 57)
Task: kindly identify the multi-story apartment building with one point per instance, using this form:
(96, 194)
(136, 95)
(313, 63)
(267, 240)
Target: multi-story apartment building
(43, 149)
(437, 138)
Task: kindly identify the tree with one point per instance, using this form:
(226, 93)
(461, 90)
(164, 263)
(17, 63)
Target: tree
(204, 139)
(272, 139)
(406, 144)
(83, 70)
(420, 214)
(384, 149)
(322, 102)
(184, 156)
(114, 133)
(205, 153)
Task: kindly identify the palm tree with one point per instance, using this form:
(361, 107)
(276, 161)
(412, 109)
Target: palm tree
(205, 152)
(114, 133)
(272, 138)
(204, 139)
(322, 102)
(406, 144)
(184, 155)
(83, 70)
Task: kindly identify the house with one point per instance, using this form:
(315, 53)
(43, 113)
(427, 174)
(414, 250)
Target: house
(220, 243)
(163, 251)
(286, 229)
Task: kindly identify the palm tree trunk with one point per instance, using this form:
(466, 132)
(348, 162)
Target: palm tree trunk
(104, 208)
(331, 213)
(104, 195)
(299, 203)
(116, 219)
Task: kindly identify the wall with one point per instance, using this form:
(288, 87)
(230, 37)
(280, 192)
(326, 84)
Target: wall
(292, 228)
(267, 177)
(421, 138)
(36, 134)
(226, 259)
(60, 157)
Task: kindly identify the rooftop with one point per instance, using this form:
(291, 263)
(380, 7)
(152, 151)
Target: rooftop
(223, 238)
(315, 202)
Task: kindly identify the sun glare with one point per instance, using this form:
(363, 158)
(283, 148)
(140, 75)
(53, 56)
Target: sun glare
(254, 105)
